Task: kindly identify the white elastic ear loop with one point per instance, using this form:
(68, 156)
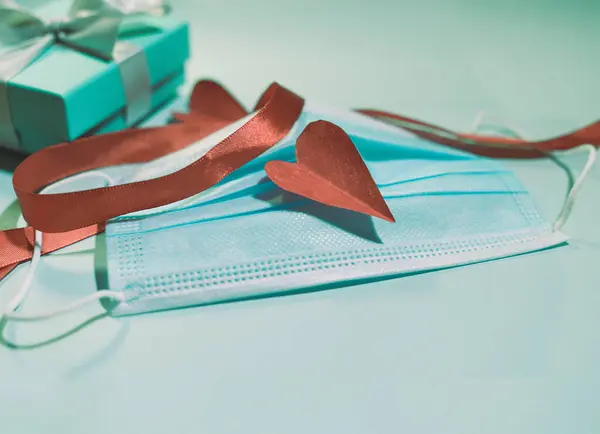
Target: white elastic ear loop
(17, 301)
(567, 207)
(569, 202)
(508, 126)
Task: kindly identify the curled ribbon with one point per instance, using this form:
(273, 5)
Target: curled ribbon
(70, 217)
(491, 146)
(210, 102)
(66, 218)
(91, 26)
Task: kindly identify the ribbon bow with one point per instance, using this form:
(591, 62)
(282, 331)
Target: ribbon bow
(91, 26)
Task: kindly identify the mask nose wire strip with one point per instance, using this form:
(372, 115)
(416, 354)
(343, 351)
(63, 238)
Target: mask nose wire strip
(9, 313)
(569, 202)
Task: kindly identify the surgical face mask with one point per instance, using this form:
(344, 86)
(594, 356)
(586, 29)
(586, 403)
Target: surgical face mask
(246, 238)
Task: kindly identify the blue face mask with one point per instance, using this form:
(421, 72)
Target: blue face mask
(247, 238)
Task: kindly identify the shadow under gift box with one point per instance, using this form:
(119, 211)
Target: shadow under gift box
(67, 94)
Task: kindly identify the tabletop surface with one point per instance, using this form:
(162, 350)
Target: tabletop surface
(509, 346)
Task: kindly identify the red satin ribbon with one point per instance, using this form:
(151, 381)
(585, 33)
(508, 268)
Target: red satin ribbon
(70, 217)
(16, 245)
(222, 105)
(497, 147)
(66, 218)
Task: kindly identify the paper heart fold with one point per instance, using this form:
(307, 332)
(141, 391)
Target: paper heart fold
(330, 170)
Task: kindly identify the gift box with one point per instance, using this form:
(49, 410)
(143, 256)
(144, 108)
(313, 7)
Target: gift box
(69, 91)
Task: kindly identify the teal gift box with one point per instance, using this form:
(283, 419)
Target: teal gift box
(68, 92)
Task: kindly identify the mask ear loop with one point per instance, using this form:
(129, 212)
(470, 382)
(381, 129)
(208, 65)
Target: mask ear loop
(515, 130)
(569, 202)
(10, 312)
(565, 212)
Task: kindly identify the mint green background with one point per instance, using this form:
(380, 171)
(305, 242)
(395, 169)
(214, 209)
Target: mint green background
(510, 346)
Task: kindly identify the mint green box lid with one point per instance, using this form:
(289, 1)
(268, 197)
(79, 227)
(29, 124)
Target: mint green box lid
(67, 94)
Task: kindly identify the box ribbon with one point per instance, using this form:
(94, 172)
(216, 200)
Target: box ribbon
(91, 27)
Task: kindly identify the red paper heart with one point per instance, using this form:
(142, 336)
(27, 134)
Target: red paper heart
(330, 170)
